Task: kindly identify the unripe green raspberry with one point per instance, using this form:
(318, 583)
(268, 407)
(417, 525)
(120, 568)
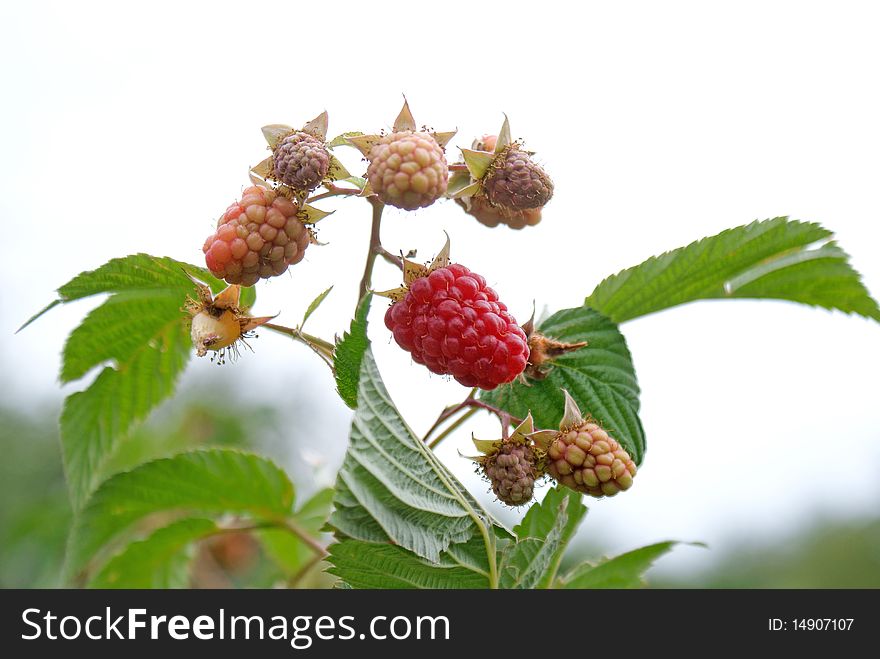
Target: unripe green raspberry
(301, 161)
(515, 182)
(587, 459)
(512, 472)
(408, 170)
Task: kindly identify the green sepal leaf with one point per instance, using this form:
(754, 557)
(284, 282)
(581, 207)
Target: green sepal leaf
(342, 140)
(478, 162)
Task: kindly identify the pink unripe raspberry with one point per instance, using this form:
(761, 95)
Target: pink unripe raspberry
(257, 237)
(407, 169)
(589, 460)
(454, 324)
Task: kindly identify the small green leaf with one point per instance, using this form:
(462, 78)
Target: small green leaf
(779, 259)
(542, 537)
(314, 305)
(350, 352)
(624, 571)
(542, 518)
(215, 482)
(162, 560)
(600, 377)
(357, 181)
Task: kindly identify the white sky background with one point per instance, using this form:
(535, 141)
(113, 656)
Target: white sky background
(129, 128)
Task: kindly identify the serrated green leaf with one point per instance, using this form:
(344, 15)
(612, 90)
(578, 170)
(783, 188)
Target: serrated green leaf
(142, 332)
(624, 571)
(542, 536)
(779, 259)
(392, 490)
(542, 518)
(215, 482)
(349, 354)
(600, 377)
(161, 560)
(96, 420)
(314, 305)
(372, 565)
(287, 550)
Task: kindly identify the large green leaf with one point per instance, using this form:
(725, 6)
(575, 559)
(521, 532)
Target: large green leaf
(624, 571)
(141, 332)
(600, 377)
(162, 560)
(349, 354)
(214, 482)
(392, 490)
(376, 565)
(779, 258)
(542, 537)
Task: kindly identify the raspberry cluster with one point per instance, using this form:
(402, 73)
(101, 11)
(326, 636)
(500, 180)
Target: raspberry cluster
(257, 237)
(454, 324)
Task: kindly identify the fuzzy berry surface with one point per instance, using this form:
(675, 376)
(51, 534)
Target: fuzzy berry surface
(587, 459)
(301, 161)
(256, 238)
(454, 324)
(512, 473)
(516, 182)
(408, 170)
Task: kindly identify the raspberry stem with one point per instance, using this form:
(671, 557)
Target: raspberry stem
(322, 348)
(375, 247)
(333, 191)
(505, 418)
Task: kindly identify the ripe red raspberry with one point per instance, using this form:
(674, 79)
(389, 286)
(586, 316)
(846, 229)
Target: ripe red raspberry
(454, 324)
(492, 216)
(587, 459)
(257, 237)
(515, 182)
(408, 170)
(512, 471)
(301, 161)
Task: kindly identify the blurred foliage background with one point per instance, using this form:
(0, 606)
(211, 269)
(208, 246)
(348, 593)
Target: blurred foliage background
(34, 515)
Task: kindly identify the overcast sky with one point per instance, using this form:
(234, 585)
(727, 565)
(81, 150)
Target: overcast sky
(129, 128)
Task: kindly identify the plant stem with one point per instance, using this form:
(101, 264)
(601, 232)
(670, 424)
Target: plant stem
(295, 580)
(333, 191)
(324, 349)
(452, 427)
(475, 404)
(374, 248)
(310, 541)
